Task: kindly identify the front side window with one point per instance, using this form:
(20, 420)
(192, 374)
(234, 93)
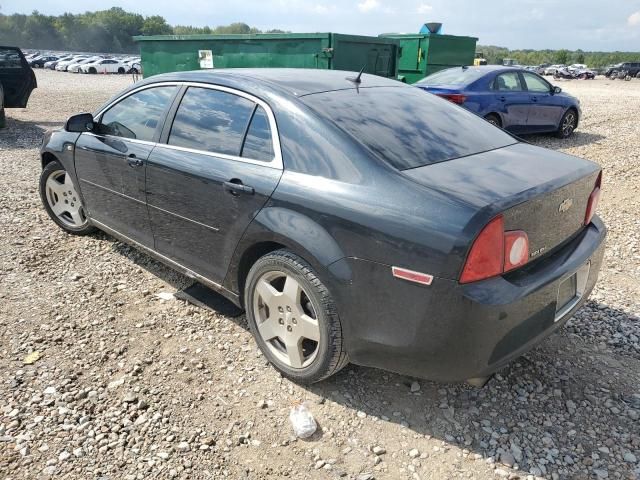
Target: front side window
(211, 120)
(258, 144)
(138, 115)
(535, 83)
(508, 82)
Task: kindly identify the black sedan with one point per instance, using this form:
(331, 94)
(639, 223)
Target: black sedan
(356, 219)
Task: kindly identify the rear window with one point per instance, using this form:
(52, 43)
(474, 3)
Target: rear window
(407, 126)
(453, 76)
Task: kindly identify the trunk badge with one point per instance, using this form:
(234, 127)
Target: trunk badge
(565, 205)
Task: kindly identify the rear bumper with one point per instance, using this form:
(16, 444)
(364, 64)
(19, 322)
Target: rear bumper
(452, 332)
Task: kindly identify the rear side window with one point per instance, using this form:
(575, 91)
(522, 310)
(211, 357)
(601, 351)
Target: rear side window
(9, 58)
(406, 126)
(453, 76)
(211, 120)
(138, 115)
(508, 82)
(258, 144)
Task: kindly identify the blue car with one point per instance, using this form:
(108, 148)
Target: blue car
(511, 98)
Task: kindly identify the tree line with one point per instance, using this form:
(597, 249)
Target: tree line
(495, 55)
(106, 31)
(111, 31)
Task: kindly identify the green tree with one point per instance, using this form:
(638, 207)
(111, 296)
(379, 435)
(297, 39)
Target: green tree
(156, 25)
(562, 56)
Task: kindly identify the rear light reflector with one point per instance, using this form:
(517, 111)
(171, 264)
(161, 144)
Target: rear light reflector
(594, 198)
(410, 275)
(457, 98)
(516, 249)
(486, 258)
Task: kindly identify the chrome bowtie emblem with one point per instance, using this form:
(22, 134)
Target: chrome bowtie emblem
(565, 205)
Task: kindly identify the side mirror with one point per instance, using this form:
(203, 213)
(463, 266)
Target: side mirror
(82, 122)
(556, 90)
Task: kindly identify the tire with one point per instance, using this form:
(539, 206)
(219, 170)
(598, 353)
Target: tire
(92, 70)
(568, 124)
(493, 119)
(61, 200)
(120, 70)
(3, 118)
(304, 360)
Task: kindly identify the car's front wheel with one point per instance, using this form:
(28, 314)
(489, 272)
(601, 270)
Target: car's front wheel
(568, 124)
(292, 316)
(61, 200)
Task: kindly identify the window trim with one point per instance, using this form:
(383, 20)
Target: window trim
(276, 163)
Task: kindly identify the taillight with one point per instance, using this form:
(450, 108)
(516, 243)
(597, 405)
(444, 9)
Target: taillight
(453, 97)
(495, 251)
(486, 257)
(592, 203)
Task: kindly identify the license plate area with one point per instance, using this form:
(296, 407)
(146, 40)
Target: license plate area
(571, 290)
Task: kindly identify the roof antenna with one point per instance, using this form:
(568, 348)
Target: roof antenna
(357, 79)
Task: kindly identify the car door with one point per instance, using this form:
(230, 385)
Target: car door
(546, 108)
(110, 160)
(16, 76)
(216, 166)
(511, 101)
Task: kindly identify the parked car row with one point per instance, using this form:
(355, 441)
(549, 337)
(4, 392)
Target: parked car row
(82, 63)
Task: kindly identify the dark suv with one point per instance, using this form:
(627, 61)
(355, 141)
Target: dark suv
(17, 80)
(632, 69)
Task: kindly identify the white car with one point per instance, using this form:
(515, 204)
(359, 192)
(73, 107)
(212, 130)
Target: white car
(104, 65)
(75, 67)
(62, 66)
(553, 69)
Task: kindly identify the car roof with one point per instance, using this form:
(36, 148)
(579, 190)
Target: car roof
(296, 81)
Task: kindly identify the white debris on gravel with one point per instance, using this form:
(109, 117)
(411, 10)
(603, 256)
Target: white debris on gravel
(131, 387)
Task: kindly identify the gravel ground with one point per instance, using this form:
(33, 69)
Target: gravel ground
(130, 386)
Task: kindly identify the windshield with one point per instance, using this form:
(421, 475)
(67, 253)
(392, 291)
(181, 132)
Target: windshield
(453, 76)
(406, 126)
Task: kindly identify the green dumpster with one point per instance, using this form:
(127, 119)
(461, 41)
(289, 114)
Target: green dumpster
(426, 53)
(333, 51)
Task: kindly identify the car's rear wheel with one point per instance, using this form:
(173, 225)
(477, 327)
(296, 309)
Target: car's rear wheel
(493, 119)
(293, 318)
(121, 70)
(61, 200)
(568, 124)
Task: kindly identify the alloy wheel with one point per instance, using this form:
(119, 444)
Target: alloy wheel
(286, 319)
(63, 199)
(568, 124)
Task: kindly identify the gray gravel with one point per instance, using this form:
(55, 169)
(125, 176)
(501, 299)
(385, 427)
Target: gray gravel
(130, 384)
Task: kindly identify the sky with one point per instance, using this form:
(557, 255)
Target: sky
(604, 25)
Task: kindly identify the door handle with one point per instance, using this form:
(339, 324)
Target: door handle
(502, 99)
(134, 161)
(235, 187)
(534, 99)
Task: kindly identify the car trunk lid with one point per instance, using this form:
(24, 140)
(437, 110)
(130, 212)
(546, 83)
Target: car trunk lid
(541, 192)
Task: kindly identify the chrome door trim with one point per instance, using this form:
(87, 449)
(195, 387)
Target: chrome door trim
(215, 229)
